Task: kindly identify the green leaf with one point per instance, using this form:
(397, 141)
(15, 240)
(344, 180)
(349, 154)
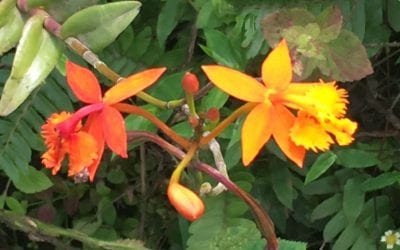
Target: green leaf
(220, 48)
(327, 207)
(334, 226)
(356, 158)
(106, 211)
(11, 25)
(358, 18)
(15, 206)
(347, 237)
(291, 245)
(29, 180)
(320, 166)
(98, 26)
(381, 181)
(282, 184)
(353, 199)
(169, 87)
(168, 19)
(393, 10)
(36, 56)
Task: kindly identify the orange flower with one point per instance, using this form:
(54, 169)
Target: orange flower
(58, 147)
(185, 201)
(104, 123)
(321, 108)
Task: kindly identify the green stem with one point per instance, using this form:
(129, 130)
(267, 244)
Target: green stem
(225, 123)
(190, 103)
(176, 175)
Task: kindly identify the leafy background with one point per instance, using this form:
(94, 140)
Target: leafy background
(343, 199)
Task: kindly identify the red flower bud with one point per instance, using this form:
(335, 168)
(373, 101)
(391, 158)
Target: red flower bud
(190, 83)
(213, 114)
(185, 201)
(193, 121)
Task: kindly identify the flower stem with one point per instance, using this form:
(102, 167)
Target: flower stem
(132, 109)
(176, 175)
(225, 123)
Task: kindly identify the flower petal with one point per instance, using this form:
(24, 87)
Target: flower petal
(309, 133)
(82, 149)
(283, 121)
(235, 83)
(256, 131)
(132, 85)
(94, 127)
(114, 130)
(276, 70)
(83, 83)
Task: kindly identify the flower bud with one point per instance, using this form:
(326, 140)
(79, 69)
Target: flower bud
(193, 121)
(190, 83)
(185, 201)
(213, 114)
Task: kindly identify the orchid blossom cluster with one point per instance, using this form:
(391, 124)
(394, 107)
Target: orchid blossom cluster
(299, 116)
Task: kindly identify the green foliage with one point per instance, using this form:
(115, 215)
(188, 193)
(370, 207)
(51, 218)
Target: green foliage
(102, 23)
(11, 25)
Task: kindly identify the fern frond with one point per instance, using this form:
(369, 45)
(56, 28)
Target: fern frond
(20, 134)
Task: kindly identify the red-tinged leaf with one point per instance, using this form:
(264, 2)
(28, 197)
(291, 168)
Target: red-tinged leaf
(131, 85)
(275, 23)
(114, 130)
(347, 58)
(256, 131)
(46, 213)
(83, 83)
(330, 22)
(94, 127)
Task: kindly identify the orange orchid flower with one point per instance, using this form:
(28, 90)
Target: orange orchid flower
(104, 124)
(321, 108)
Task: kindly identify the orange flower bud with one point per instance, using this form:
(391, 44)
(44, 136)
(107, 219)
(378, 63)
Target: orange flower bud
(193, 121)
(213, 114)
(190, 83)
(185, 201)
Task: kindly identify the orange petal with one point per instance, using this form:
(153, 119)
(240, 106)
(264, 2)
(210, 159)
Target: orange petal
(185, 201)
(235, 83)
(94, 127)
(83, 83)
(276, 69)
(309, 133)
(283, 122)
(114, 130)
(82, 149)
(256, 131)
(132, 85)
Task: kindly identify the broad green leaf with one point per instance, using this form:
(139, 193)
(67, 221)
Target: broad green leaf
(11, 25)
(98, 26)
(36, 56)
(28, 180)
(214, 99)
(334, 226)
(358, 18)
(292, 245)
(320, 166)
(106, 211)
(330, 23)
(356, 158)
(168, 87)
(15, 206)
(347, 237)
(364, 242)
(326, 185)
(168, 19)
(353, 199)
(282, 184)
(381, 181)
(393, 10)
(61, 10)
(220, 48)
(327, 207)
